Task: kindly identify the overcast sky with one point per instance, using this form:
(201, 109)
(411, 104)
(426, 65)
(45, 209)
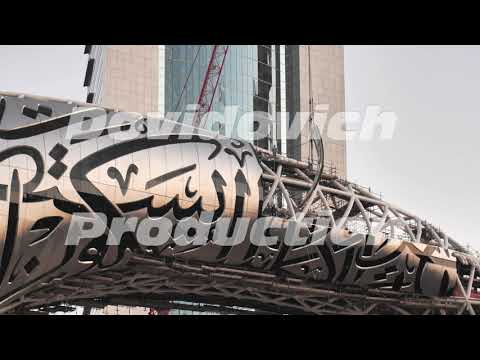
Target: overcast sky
(429, 167)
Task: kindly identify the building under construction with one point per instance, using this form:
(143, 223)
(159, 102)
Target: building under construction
(268, 78)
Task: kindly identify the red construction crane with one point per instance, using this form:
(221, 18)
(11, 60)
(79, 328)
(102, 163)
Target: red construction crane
(154, 311)
(210, 82)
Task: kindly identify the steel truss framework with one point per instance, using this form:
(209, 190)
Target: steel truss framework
(159, 283)
(361, 211)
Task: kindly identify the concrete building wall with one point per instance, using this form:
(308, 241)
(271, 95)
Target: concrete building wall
(327, 87)
(129, 78)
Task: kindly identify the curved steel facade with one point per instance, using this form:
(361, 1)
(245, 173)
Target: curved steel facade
(45, 178)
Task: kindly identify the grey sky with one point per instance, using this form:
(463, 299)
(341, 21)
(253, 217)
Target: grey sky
(47, 70)
(429, 167)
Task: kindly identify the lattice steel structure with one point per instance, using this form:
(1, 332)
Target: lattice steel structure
(361, 254)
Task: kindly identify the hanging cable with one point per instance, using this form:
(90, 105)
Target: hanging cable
(310, 104)
(315, 140)
(188, 78)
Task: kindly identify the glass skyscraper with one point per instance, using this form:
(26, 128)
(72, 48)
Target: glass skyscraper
(247, 80)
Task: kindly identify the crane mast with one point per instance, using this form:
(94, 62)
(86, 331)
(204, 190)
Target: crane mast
(210, 82)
